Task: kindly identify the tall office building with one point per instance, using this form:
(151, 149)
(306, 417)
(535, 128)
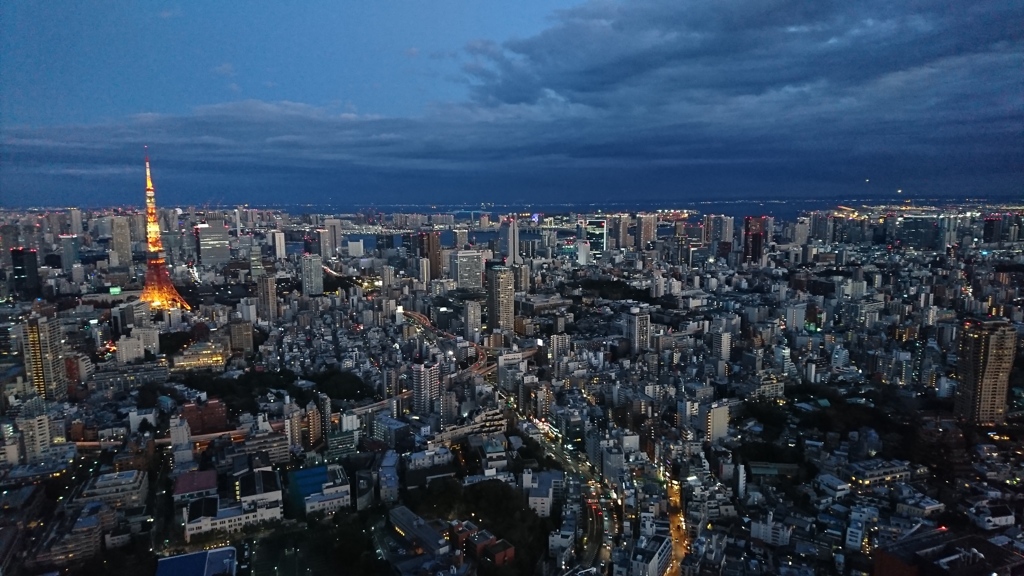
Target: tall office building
(387, 276)
(984, 359)
(467, 269)
(256, 268)
(500, 298)
(621, 232)
(321, 243)
(75, 220)
(44, 358)
(423, 268)
(508, 240)
(426, 387)
(214, 244)
(241, 336)
(638, 328)
(646, 230)
(26, 273)
(430, 248)
(755, 234)
(472, 320)
(278, 243)
(69, 256)
(334, 237)
(596, 232)
(312, 274)
(266, 298)
(121, 240)
(718, 228)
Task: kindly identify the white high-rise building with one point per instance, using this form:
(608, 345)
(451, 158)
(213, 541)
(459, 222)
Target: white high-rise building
(472, 320)
(277, 240)
(721, 344)
(467, 269)
(638, 328)
(247, 309)
(35, 436)
(426, 387)
(509, 240)
(312, 274)
(423, 270)
(559, 348)
(715, 422)
(583, 252)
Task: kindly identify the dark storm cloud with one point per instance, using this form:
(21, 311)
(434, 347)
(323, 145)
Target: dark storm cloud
(656, 98)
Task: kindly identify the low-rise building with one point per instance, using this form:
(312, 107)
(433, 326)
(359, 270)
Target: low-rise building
(206, 515)
(117, 489)
(413, 528)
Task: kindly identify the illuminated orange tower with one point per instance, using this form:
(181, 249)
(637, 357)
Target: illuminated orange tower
(159, 292)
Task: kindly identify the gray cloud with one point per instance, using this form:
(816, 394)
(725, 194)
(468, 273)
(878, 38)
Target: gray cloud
(640, 98)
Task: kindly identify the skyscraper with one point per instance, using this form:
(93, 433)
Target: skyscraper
(121, 240)
(326, 408)
(278, 243)
(333, 227)
(214, 244)
(467, 269)
(322, 243)
(312, 275)
(424, 270)
(44, 358)
(75, 220)
(266, 298)
(718, 228)
(508, 237)
(426, 387)
(638, 328)
(500, 298)
(721, 344)
(26, 273)
(755, 234)
(430, 248)
(984, 359)
(646, 230)
(622, 232)
(596, 232)
(472, 320)
(69, 252)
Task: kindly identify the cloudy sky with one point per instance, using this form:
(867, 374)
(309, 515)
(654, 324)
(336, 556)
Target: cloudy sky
(537, 101)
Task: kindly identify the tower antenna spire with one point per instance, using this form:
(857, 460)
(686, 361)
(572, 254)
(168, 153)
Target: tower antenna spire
(149, 178)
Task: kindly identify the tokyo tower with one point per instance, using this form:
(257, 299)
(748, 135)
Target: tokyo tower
(159, 292)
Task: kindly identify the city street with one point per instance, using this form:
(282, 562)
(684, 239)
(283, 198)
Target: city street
(676, 515)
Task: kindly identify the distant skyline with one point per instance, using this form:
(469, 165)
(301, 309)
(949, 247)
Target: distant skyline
(533, 102)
